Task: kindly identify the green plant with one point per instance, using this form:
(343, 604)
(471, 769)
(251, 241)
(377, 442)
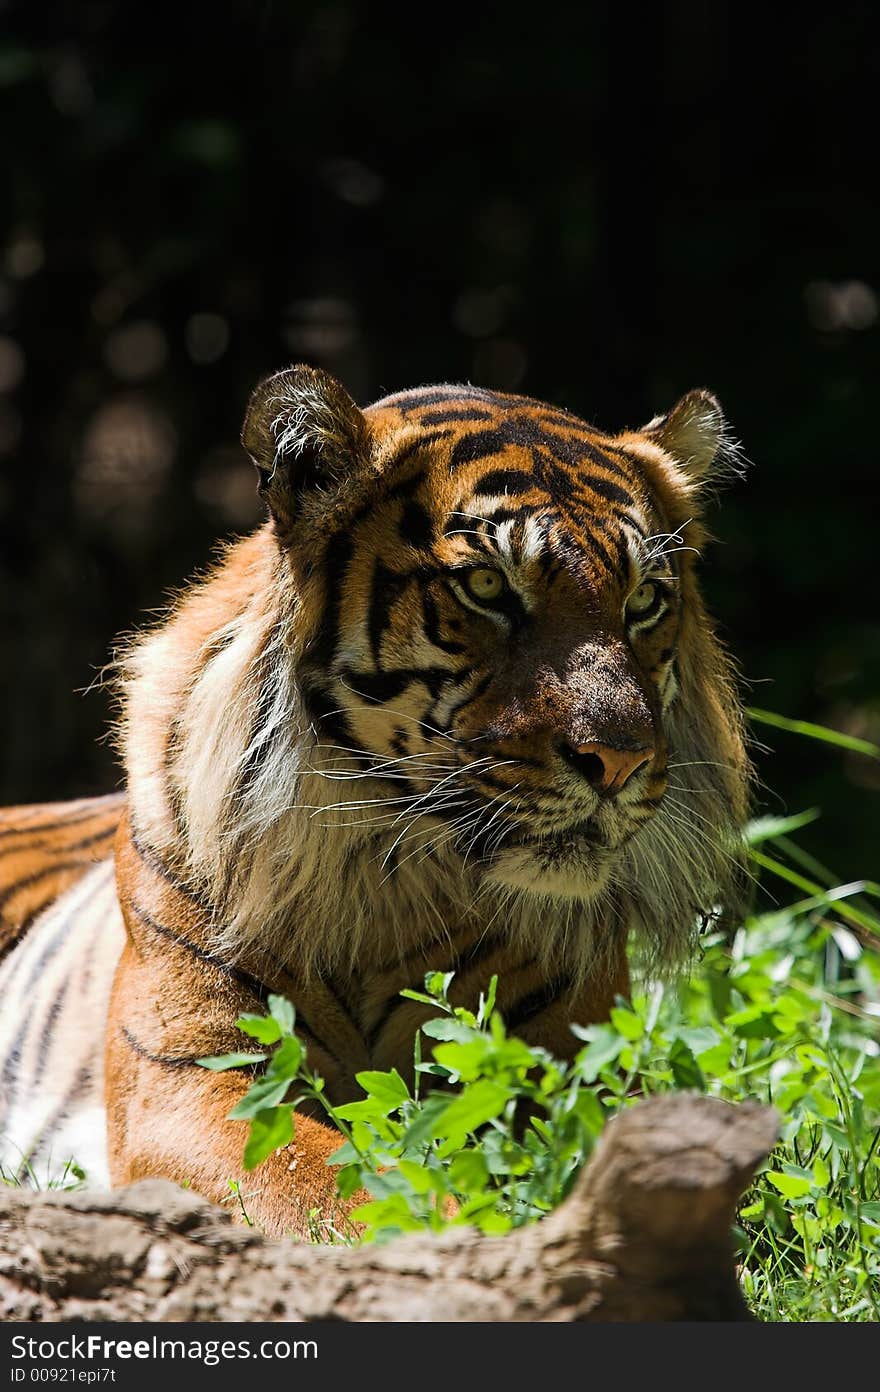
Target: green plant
(785, 1011)
(70, 1176)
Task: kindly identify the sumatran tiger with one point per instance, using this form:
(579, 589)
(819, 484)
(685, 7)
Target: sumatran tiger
(457, 705)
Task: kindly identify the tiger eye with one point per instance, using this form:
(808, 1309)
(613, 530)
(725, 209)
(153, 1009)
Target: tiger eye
(642, 599)
(484, 584)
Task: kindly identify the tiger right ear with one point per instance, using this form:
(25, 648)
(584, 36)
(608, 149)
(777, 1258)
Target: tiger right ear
(303, 432)
(694, 432)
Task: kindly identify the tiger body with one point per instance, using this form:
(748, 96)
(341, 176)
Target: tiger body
(429, 716)
(61, 934)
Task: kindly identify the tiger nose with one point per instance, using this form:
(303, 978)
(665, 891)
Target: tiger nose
(605, 768)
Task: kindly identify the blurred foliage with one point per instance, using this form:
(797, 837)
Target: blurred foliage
(599, 211)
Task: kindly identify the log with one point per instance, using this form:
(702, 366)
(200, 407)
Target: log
(644, 1235)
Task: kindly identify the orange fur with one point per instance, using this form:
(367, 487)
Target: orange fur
(345, 770)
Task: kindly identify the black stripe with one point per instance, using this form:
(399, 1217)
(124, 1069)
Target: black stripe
(636, 526)
(347, 1007)
(460, 961)
(71, 846)
(506, 481)
(509, 514)
(31, 827)
(28, 881)
(170, 1061)
(380, 687)
(481, 686)
(175, 1061)
(387, 587)
(455, 413)
(432, 626)
(582, 449)
(323, 707)
(251, 983)
(492, 780)
(11, 1083)
(481, 444)
(46, 1035)
(337, 560)
(155, 862)
(595, 542)
(536, 1002)
(407, 486)
(61, 1113)
(608, 490)
(485, 946)
(434, 396)
(416, 525)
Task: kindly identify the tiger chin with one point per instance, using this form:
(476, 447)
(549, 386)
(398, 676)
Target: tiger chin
(456, 705)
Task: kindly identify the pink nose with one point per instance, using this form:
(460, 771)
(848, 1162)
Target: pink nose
(606, 769)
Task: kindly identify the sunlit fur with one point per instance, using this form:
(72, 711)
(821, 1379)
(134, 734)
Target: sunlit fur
(342, 771)
(233, 778)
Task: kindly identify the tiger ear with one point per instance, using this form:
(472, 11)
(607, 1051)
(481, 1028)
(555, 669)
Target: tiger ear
(303, 432)
(694, 432)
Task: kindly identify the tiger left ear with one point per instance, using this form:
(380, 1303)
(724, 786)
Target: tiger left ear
(693, 432)
(305, 435)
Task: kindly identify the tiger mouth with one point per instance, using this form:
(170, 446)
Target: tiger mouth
(579, 841)
(580, 833)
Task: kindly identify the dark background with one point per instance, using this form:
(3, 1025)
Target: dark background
(602, 205)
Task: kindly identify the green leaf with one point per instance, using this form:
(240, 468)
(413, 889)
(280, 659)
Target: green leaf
(494, 1224)
(446, 1028)
(283, 1012)
(419, 996)
(715, 1062)
(753, 1022)
(437, 984)
(768, 828)
(790, 1186)
(700, 1039)
(387, 1088)
(479, 1102)
(627, 1023)
(218, 1062)
(286, 1060)
(685, 1069)
(264, 1093)
(468, 1172)
(420, 1178)
(426, 1124)
(817, 732)
(261, 1027)
(348, 1179)
(604, 1049)
(368, 1109)
(752, 1210)
(837, 897)
(270, 1129)
(589, 1111)
(391, 1213)
(487, 1002)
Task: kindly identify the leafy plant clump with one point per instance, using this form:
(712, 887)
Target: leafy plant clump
(493, 1131)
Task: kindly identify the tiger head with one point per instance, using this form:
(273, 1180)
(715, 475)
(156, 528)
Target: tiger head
(499, 623)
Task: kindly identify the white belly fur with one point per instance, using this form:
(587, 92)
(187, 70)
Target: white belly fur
(54, 996)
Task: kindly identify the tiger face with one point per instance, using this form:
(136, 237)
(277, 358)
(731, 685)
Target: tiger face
(497, 604)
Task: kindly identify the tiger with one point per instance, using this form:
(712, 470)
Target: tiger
(455, 706)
